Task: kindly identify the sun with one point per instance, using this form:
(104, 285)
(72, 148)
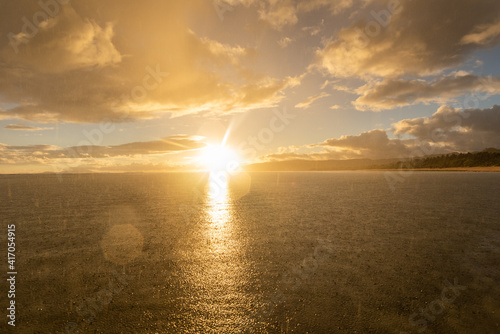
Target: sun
(219, 158)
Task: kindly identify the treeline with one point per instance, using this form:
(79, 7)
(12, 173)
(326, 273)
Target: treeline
(487, 158)
(480, 159)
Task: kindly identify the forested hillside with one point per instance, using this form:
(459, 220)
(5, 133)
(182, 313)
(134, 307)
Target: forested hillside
(486, 158)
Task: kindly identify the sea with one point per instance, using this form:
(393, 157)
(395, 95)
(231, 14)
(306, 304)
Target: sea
(262, 252)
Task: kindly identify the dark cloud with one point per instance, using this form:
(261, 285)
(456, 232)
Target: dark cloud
(50, 153)
(422, 37)
(447, 130)
(370, 144)
(459, 130)
(392, 93)
(112, 64)
(285, 13)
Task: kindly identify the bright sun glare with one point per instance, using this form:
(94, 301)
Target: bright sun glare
(219, 158)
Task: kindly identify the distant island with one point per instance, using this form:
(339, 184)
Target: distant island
(487, 159)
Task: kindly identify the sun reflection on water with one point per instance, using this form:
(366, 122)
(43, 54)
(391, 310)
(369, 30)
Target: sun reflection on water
(218, 197)
(219, 230)
(218, 276)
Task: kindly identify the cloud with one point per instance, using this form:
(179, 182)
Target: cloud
(314, 30)
(284, 42)
(68, 41)
(459, 130)
(47, 154)
(448, 130)
(137, 167)
(485, 34)
(324, 155)
(25, 127)
(279, 14)
(371, 144)
(392, 93)
(91, 66)
(219, 52)
(335, 6)
(421, 38)
(307, 103)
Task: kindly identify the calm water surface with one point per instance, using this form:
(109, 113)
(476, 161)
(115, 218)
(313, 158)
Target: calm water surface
(335, 252)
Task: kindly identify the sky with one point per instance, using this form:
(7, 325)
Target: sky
(114, 86)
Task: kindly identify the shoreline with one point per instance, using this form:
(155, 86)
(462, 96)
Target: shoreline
(491, 169)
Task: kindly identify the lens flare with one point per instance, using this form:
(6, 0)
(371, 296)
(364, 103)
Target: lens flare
(219, 158)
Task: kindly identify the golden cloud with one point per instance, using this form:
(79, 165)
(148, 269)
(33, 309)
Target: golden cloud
(118, 67)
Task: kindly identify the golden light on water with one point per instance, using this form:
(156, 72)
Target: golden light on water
(220, 220)
(219, 272)
(218, 197)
